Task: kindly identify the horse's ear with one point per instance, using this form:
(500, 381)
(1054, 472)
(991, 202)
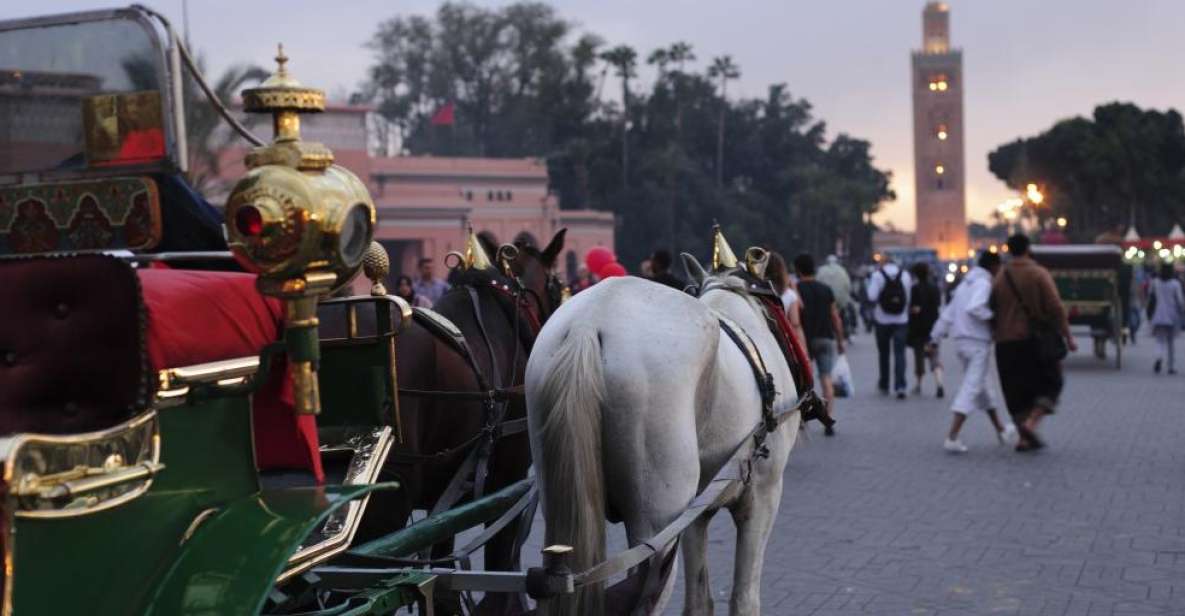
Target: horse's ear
(488, 244)
(554, 247)
(695, 271)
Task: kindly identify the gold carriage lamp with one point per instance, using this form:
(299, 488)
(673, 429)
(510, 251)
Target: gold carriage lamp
(299, 221)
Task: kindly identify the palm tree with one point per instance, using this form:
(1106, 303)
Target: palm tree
(206, 133)
(680, 53)
(625, 60)
(724, 69)
(660, 58)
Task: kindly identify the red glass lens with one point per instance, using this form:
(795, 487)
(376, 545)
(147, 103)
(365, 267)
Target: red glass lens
(249, 221)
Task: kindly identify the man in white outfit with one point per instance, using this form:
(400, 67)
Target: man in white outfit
(967, 319)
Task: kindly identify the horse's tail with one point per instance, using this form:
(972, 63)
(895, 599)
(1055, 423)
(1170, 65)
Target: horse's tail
(567, 413)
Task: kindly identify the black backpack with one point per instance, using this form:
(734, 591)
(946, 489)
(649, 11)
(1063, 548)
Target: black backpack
(892, 297)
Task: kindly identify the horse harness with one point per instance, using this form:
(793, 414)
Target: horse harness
(811, 407)
(493, 394)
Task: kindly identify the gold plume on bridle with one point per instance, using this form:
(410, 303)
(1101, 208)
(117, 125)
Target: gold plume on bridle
(722, 255)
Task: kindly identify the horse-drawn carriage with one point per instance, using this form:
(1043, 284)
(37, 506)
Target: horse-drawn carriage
(187, 429)
(1094, 283)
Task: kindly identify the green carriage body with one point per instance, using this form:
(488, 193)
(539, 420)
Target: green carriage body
(1094, 284)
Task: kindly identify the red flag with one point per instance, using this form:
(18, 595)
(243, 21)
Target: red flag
(445, 116)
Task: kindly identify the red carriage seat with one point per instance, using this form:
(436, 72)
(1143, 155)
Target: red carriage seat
(197, 317)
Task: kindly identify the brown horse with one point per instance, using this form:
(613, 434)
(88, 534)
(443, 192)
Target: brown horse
(500, 341)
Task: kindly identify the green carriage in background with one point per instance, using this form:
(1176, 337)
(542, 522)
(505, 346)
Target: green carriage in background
(142, 471)
(1095, 285)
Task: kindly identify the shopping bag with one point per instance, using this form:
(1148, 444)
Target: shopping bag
(841, 378)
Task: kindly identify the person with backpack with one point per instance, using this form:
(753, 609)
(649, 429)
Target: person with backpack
(888, 289)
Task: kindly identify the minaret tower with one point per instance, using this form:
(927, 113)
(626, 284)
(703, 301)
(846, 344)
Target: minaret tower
(939, 163)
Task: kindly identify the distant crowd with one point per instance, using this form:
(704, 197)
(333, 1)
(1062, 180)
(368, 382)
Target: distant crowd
(1010, 310)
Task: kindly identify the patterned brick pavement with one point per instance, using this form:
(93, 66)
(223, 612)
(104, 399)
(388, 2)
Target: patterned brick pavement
(880, 520)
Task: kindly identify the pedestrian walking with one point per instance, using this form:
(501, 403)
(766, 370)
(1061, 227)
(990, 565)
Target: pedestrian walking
(427, 285)
(924, 301)
(837, 279)
(1166, 312)
(888, 290)
(1032, 336)
(406, 290)
(822, 326)
(779, 276)
(967, 319)
(660, 268)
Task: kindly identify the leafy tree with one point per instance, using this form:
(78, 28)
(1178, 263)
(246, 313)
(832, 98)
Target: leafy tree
(525, 84)
(1124, 164)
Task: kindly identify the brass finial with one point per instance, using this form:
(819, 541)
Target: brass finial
(286, 98)
(375, 266)
(281, 60)
(722, 255)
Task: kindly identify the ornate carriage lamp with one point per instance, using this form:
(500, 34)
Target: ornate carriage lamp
(299, 221)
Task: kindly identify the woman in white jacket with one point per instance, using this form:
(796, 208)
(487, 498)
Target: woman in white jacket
(967, 319)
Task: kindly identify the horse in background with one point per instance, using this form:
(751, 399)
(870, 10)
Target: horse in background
(636, 398)
(499, 318)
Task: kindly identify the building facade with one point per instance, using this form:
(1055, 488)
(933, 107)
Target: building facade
(426, 204)
(939, 162)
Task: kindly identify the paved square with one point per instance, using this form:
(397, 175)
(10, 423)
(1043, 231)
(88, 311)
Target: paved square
(881, 520)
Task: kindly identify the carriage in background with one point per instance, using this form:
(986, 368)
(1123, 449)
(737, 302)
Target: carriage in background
(1094, 283)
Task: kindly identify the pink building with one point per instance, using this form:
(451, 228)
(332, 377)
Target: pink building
(426, 203)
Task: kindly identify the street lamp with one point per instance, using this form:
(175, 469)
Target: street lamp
(1062, 222)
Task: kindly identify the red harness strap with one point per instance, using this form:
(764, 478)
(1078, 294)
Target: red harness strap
(796, 357)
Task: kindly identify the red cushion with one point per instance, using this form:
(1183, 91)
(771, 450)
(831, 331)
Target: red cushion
(197, 317)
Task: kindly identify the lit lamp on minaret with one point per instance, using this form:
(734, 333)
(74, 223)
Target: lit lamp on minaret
(299, 221)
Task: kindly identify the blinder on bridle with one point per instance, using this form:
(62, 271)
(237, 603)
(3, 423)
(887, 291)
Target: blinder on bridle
(506, 256)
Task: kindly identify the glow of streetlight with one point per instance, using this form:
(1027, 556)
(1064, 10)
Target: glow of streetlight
(992, 249)
(970, 253)
(1034, 194)
(1062, 222)
(1156, 245)
(939, 169)
(942, 135)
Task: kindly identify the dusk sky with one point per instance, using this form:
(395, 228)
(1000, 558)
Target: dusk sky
(1027, 63)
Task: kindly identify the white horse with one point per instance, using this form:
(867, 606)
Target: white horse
(636, 397)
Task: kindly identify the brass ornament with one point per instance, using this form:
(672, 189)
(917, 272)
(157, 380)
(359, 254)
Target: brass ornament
(282, 91)
(375, 266)
(756, 260)
(474, 256)
(722, 255)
